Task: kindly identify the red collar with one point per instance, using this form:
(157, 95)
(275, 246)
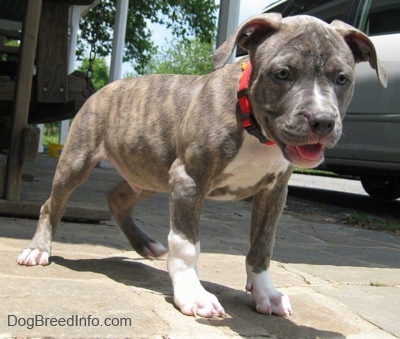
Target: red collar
(248, 120)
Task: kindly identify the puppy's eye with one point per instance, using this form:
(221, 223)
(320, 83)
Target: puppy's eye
(342, 80)
(282, 74)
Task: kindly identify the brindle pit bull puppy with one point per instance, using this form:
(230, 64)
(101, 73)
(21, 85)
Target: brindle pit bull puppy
(184, 135)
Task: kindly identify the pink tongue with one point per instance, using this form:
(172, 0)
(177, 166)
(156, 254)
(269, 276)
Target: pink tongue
(310, 152)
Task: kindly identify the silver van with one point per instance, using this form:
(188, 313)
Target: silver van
(370, 145)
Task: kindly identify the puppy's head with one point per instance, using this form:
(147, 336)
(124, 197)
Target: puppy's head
(302, 80)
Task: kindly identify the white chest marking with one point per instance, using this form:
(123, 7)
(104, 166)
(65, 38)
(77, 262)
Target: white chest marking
(251, 164)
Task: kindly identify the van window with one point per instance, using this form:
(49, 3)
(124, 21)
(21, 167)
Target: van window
(322, 9)
(380, 17)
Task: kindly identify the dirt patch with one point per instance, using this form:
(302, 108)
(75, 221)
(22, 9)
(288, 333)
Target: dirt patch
(367, 217)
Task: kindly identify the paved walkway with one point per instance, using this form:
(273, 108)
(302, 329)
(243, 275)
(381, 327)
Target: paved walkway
(343, 282)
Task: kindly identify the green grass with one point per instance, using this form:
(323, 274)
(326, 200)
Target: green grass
(371, 222)
(379, 284)
(314, 172)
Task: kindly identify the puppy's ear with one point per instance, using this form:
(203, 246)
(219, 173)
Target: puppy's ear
(248, 35)
(362, 47)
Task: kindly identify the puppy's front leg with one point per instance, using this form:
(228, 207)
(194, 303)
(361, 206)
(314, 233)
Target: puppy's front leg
(267, 208)
(187, 199)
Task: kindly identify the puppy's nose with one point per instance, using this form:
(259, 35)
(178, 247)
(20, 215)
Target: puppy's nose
(321, 123)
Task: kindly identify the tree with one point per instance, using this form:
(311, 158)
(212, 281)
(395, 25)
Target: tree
(184, 18)
(195, 57)
(100, 71)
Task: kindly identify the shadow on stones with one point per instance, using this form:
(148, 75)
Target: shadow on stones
(242, 318)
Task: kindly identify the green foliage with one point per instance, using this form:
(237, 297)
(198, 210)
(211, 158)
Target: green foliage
(195, 57)
(100, 72)
(9, 42)
(51, 139)
(51, 133)
(184, 18)
(52, 128)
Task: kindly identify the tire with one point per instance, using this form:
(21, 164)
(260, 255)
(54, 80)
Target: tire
(386, 188)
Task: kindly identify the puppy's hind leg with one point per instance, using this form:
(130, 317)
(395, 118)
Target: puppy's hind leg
(121, 201)
(72, 170)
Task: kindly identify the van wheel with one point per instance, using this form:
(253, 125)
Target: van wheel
(381, 187)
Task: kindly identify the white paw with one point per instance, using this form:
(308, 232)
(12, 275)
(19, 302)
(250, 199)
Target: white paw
(32, 257)
(189, 295)
(266, 299)
(192, 299)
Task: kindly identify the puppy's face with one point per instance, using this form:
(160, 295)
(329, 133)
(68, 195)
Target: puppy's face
(301, 86)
